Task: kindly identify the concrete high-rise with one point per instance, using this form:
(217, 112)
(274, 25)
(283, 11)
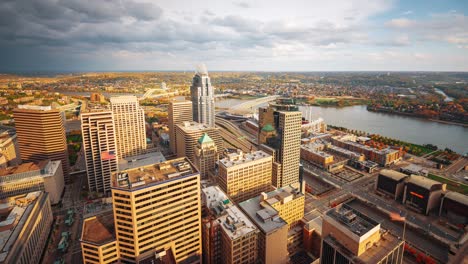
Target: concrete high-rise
(228, 235)
(158, 208)
(202, 94)
(129, 120)
(243, 176)
(178, 112)
(280, 136)
(187, 137)
(100, 149)
(206, 155)
(25, 224)
(41, 135)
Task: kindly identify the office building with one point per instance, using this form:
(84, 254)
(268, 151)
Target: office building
(391, 183)
(178, 112)
(98, 243)
(349, 236)
(202, 94)
(158, 208)
(273, 235)
(280, 136)
(228, 235)
(100, 149)
(25, 224)
(29, 177)
(9, 146)
(383, 157)
(243, 176)
(188, 134)
(422, 194)
(206, 155)
(129, 121)
(41, 135)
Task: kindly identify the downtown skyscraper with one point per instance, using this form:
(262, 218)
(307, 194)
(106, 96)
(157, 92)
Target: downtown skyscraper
(202, 95)
(41, 135)
(99, 145)
(129, 120)
(280, 136)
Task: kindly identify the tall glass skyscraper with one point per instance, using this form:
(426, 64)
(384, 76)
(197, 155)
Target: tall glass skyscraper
(202, 94)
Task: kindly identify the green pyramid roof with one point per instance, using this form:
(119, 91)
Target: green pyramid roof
(205, 139)
(268, 128)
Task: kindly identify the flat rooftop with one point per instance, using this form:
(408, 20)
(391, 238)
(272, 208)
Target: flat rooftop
(233, 221)
(43, 168)
(142, 176)
(282, 195)
(193, 126)
(98, 229)
(237, 158)
(351, 219)
(374, 254)
(141, 160)
(266, 219)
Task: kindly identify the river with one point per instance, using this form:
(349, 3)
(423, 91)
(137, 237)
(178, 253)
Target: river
(410, 129)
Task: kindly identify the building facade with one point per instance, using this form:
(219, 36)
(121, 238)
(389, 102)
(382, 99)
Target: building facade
(206, 155)
(98, 243)
(129, 121)
(24, 241)
(41, 135)
(202, 94)
(9, 147)
(100, 149)
(187, 135)
(228, 235)
(280, 130)
(178, 112)
(243, 176)
(273, 235)
(29, 177)
(158, 207)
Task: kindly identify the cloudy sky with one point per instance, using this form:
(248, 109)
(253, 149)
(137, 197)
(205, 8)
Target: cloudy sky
(263, 35)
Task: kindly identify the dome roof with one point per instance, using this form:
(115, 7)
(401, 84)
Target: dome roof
(268, 128)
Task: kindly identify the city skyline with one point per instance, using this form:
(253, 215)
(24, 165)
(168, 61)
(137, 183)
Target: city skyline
(238, 35)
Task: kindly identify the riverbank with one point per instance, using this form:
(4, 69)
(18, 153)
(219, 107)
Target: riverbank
(370, 109)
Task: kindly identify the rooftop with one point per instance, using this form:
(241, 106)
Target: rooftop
(395, 175)
(123, 99)
(193, 126)
(353, 220)
(265, 217)
(282, 195)
(374, 254)
(43, 168)
(138, 177)
(141, 160)
(423, 182)
(15, 212)
(233, 221)
(457, 197)
(239, 157)
(98, 229)
(35, 107)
